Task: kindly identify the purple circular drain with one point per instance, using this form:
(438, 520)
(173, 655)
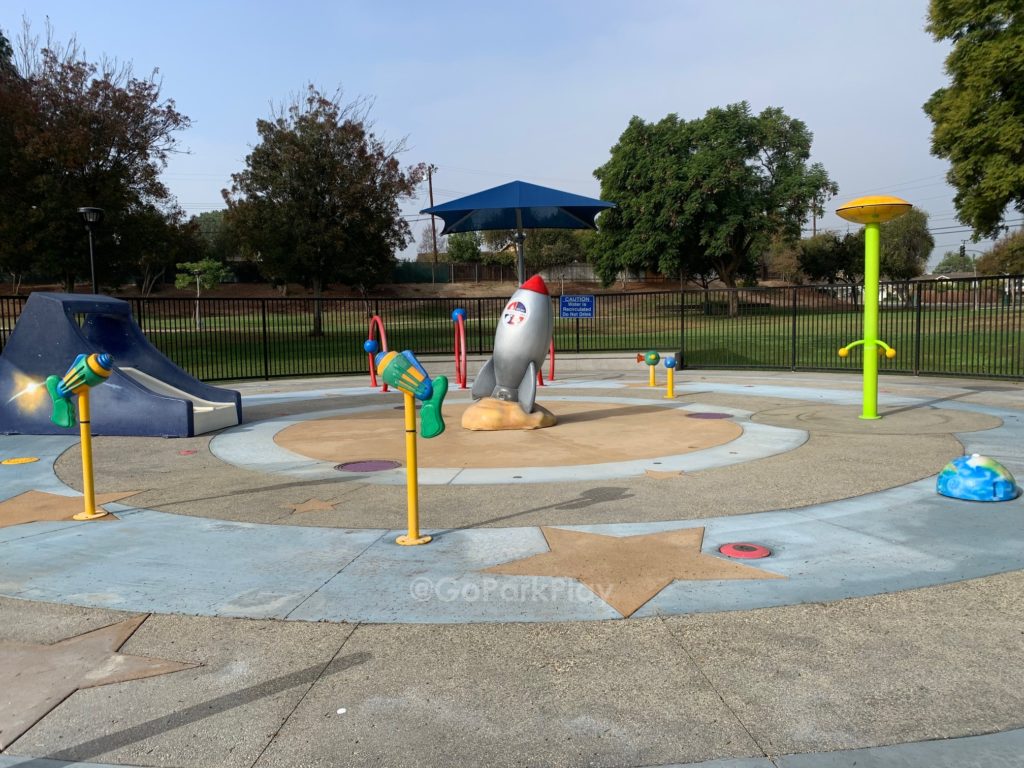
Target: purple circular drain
(369, 465)
(708, 415)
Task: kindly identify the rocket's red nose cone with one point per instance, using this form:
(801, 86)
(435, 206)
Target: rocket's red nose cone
(536, 284)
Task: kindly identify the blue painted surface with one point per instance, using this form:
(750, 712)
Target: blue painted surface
(992, 750)
(175, 564)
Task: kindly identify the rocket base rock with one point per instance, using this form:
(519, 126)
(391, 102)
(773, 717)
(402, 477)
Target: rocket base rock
(490, 414)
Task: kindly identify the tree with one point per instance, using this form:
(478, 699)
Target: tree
(709, 193)
(425, 246)
(829, 258)
(204, 275)
(978, 119)
(319, 197)
(217, 237)
(547, 248)
(74, 133)
(905, 245)
(464, 247)
(953, 261)
(1006, 256)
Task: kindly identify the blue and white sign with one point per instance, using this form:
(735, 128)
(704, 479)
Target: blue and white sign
(576, 306)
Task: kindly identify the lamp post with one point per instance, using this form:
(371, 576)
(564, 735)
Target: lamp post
(92, 217)
(197, 273)
(964, 250)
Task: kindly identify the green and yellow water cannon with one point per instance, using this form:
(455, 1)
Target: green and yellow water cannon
(85, 373)
(403, 371)
(871, 211)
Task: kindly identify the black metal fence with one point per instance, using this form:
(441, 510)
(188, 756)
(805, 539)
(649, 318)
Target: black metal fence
(962, 327)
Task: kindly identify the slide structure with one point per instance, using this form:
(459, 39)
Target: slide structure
(146, 395)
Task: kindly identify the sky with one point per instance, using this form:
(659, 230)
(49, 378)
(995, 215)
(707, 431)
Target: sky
(536, 90)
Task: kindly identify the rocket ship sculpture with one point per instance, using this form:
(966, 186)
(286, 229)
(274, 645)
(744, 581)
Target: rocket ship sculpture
(520, 345)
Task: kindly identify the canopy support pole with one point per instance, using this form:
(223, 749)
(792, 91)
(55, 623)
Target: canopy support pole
(520, 255)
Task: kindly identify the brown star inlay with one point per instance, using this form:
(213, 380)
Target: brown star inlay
(34, 506)
(627, 571)
(36, 678)
(310, 505)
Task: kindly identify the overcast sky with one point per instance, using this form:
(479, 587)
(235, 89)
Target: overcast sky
(535, 90)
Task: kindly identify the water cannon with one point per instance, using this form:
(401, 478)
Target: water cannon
(403, 371)
(85, 372)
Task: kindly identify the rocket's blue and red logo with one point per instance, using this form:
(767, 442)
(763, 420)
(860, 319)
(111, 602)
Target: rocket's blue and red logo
(515, 313)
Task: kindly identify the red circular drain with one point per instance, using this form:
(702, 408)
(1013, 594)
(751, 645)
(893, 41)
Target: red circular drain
(745, 550)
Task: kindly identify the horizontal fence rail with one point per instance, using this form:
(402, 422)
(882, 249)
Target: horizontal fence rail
(957, 327)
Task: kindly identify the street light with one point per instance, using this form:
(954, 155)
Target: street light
(197, 273)
(92, 217)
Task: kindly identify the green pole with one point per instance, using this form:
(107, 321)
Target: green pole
(869, 409)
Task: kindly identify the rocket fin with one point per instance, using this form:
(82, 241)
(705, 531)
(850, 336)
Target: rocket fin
(528, 388)
(484, 383)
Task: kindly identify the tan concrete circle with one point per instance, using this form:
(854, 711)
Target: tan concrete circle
(586, 433)
(916, 420)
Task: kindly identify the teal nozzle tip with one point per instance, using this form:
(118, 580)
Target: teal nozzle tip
(431, 421)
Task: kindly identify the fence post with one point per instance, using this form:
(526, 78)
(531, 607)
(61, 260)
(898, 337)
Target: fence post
(917, 329)
(682, 325)
(479, 326)
(266, 340)
(793, 334)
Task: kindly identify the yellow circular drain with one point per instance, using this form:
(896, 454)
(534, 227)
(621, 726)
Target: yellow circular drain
(20, 460)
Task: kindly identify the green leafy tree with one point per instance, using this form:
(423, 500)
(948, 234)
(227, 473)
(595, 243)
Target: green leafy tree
(1006, 256)
(217, 237)
(464, 247)
(318, 201)
(547, 248)
(978, 119)
(72, 134)
(706, 194)
(830, 258)
(203, 275)
(905, 245)
(953, 261)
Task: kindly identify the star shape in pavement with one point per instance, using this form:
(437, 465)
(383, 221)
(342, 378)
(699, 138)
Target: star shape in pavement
(34, 506)
(310, 505)
(36, 678)
(627, 571)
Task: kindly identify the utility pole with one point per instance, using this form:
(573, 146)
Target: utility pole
(433, 225)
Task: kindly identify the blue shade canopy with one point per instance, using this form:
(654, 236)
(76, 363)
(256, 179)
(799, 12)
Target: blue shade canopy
(518, 205)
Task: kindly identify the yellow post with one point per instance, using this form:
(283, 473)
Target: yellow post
(670, 388)
(89, 512)
(412, 490)
(653, 383)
